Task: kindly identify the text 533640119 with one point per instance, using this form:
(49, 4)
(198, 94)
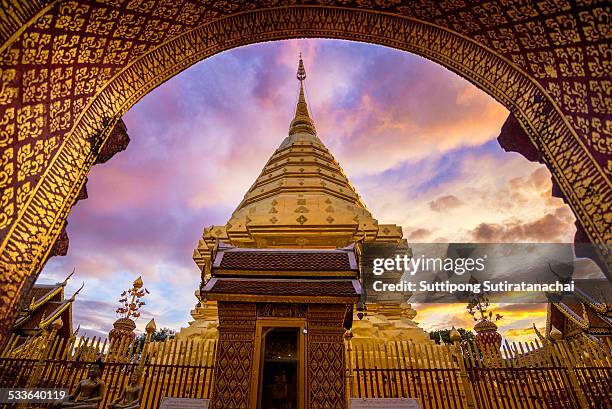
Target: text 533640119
(29, 395)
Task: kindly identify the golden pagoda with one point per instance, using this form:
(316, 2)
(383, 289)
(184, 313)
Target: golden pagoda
(302, 199)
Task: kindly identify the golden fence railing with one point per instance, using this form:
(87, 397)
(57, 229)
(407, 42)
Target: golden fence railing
(562, 375)
(171, 368)
(429, 373)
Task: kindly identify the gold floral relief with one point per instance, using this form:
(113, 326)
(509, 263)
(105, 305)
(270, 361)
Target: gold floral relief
(490, 14)
(143, 6)
(6, 167)
(29, 160)
(10, 56)
(23, 193)
(30, 120)
(531, 35)
(574, 97)
(169, 10)
(599, 60)
(85, 80)
(91, 50)
(520, 10)
(543, 64)
(129, 26)
(503, 40)
(61, 83)
(44, 22)
(102, 21)
(36, 48)
(155, 31)
(7, 127)
(601, 131)
(35, 85)
(601, 96)
(562, 30)
(65, 48)
(570, 62)
(7, 208)
(190, 13)
(596, 24)
(78, 106)
(117, 52)
(71, 16)
(60, 115)
(8, 90)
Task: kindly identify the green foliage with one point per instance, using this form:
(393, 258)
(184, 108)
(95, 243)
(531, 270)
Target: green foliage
(163, 334)
(445, 333)
(159, 335)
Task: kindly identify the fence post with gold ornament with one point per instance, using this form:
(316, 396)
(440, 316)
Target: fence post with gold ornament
(348, 335)
(467, 386)
(150, 329)
(43, 354)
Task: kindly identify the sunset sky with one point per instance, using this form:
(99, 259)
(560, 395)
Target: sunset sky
(417, 141)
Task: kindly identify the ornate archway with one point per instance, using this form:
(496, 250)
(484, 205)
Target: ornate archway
(70, 69)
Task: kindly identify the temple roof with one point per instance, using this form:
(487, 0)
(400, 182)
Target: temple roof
(233, 258)
(42, 293)
(596, 293)
(284, 275)
(589, 306)
(263, 260)
(282, 290)
(47, 304)
(44, 316)
(239, 262)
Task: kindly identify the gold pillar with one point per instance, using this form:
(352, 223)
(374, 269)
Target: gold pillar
(234, 361)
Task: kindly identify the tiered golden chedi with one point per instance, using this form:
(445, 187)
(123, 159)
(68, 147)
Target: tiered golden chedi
(303, 199)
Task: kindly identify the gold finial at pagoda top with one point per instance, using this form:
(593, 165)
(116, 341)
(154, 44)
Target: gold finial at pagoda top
(301, 72)
(302, 123)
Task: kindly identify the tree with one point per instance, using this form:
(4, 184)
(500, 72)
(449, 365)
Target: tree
(159, 335)
(466, 335)
(479, 304)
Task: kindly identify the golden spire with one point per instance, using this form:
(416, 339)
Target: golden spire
(301, 121)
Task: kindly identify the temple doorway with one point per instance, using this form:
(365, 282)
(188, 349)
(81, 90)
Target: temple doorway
(280, 369)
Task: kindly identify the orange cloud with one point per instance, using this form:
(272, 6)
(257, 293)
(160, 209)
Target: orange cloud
(514, 326)
(523, 333)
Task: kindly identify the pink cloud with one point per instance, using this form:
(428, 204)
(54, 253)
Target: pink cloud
(444, 203)
(418, 234)
(551, 228)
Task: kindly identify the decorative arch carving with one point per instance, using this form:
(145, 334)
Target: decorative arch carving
(70, 69)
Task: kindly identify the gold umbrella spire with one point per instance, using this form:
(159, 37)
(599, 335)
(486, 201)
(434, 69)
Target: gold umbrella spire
(301, 121)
